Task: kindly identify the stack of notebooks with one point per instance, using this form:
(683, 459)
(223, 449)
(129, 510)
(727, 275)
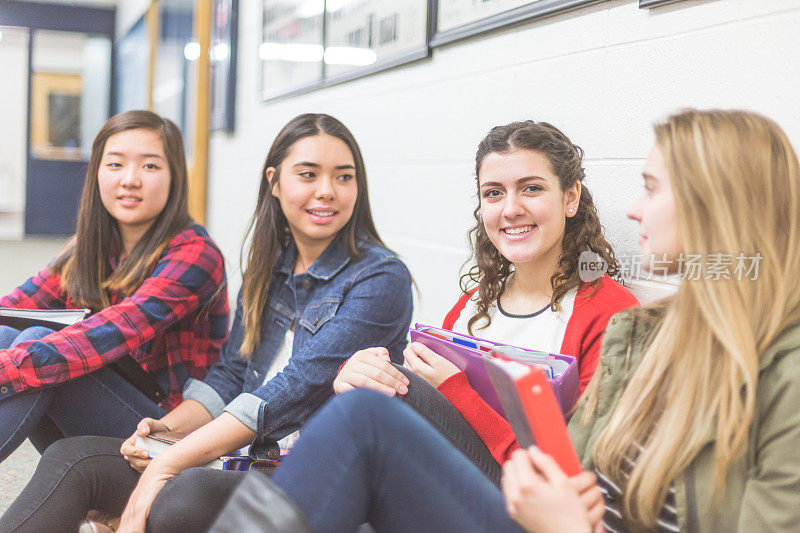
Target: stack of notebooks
(471, 353)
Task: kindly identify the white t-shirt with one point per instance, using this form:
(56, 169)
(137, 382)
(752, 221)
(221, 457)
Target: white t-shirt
(277, 366)
(543, 330)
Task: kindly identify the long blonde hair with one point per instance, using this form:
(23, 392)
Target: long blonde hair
(736, 182)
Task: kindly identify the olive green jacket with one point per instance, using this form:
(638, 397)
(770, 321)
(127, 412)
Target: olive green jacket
(762, 490)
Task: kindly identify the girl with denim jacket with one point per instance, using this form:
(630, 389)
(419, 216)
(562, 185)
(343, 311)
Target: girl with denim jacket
(319, 285)
(690, 422)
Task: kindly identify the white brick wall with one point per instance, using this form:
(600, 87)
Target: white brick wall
(603, 74)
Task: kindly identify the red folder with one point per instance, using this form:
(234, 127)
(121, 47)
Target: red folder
(533, 412)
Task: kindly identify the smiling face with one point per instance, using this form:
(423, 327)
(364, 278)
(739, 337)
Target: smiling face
(316, 188)
(659, 234)
(523, 208)
(134, 181)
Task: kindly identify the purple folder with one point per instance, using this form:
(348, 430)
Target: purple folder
(472, 362)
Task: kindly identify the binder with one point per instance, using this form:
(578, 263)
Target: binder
(126, 366)
(54, 319)
(470, 353)
(533, 412)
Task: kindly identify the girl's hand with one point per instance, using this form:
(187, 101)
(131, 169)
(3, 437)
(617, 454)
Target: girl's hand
(540, 497)
(371, 369)
(591, 496)
(138, 457)
(428, 364)
(134, 517)
(218, 437)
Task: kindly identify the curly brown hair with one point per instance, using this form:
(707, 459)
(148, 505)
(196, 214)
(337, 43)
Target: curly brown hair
(582, 231)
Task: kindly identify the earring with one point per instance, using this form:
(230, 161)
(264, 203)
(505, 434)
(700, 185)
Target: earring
(572, 211)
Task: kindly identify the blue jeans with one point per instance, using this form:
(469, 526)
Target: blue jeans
(442, 415)
(100, 403)
(365, 457)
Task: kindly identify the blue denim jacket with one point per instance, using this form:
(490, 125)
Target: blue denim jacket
(338, 306)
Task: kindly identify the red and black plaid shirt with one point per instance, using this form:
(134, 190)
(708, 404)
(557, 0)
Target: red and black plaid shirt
(173, 325)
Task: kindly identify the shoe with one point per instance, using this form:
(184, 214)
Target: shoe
(90, 526)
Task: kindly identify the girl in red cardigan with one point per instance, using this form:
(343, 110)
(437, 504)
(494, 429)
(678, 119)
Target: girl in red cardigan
(534, 220)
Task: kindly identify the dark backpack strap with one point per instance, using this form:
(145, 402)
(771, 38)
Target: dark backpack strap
(133, 373)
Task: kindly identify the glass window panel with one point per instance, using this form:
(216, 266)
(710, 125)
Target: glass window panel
(13, 109)
(222, 49)
(291, 49)
(175, 67)
(69, 93)
(96, 84)
(132, 68)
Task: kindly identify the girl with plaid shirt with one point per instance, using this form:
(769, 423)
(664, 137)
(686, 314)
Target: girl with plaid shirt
(153, 279)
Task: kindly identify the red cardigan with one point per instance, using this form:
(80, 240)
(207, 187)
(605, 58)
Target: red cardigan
(582, 338)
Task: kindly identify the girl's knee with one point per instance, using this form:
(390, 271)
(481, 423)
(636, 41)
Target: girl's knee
(69, 463)
(7, 336)
(73, 450)
(405, 371)
(363, 401)
(180, 506)
(180, 492)
(33, 334)
(367, 409)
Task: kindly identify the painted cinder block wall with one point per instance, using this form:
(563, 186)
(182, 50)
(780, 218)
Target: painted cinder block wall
(603, 74)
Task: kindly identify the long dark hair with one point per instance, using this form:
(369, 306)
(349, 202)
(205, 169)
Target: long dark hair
(582, 231)
(84, 265)
(270, 228)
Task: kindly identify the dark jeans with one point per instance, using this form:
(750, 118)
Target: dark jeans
(442, 415)
(365, 457)
(79, 474)
(100, 403)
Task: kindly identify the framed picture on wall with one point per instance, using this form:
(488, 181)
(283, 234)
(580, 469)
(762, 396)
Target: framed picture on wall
(56, 115)
(224, 31)
(291, 47)
(646, 4)
(308, 44)
(365, 36)
(460, 19)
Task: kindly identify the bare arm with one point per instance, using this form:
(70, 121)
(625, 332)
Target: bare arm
(187, 416)
(218, 437)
